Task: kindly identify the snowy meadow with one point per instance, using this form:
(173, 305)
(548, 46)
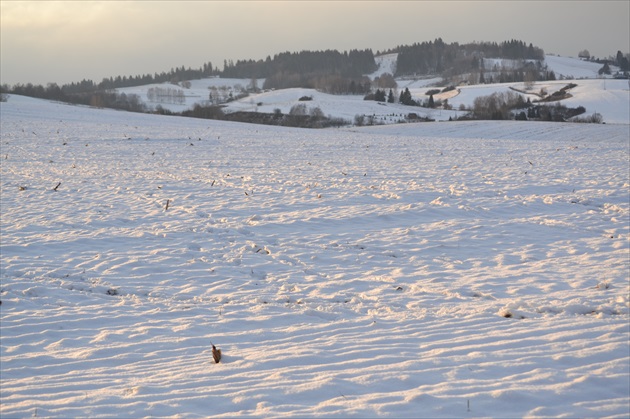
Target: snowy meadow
(446, 269)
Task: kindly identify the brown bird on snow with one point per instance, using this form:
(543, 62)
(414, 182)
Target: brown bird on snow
(216, 354)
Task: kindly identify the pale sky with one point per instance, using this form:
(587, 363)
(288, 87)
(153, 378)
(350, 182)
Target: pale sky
(68, 41)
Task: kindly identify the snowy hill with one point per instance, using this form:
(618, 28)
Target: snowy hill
(606, 96)
(465, 269)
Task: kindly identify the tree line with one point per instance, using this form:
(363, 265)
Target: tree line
(348, 64)
(75, 92)
(330, 71)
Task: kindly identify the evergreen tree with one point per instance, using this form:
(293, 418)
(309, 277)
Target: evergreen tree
(405, 97)
(390, 97)
(379, 96)
(619, 58)
(622, 62)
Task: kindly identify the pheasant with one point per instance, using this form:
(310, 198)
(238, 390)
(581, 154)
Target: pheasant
(216, 354)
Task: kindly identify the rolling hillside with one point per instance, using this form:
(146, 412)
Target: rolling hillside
(606, 96)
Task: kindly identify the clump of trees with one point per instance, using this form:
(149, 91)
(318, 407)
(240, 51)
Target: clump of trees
(224, 94)
(100, 99)
(385, 81)
(51, 91)
(497, 105)
(595, 118)
(623, 61)
(126, 102)
(381, 96)
(604, 70)
(347, 64)
(556, 113)
(299, 116)
(382, 83)
(203, 112)
(338, 85)
(406, 99)
(438, 57)
(330, 71)
(511, 105)
(166, 95)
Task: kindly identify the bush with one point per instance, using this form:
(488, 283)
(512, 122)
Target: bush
(380, 95)
(162, 111)
(317, 112)
(596, 118)
(205, 112)
(385, 81)
(298, 109)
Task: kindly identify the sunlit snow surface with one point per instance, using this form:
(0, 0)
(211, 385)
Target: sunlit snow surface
(464, 269)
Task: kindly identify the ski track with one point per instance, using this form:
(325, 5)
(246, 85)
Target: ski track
(343, 272)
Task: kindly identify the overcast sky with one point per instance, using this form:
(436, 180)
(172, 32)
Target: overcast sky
(62, 42)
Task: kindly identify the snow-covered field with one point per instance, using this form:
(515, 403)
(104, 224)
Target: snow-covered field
(464, 269)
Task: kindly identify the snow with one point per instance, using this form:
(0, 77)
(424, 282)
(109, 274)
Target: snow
(460, 269)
